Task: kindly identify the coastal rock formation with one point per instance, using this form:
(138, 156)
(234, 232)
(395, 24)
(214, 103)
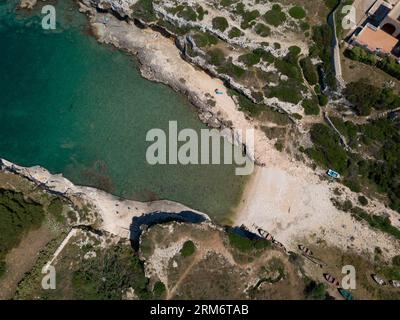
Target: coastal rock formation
(27, 4)
(122, 7)
(100, 209)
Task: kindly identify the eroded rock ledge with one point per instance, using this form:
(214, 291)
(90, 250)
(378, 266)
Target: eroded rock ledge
(101, 210)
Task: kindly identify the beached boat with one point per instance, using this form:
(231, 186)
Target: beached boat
(265, 234)
(332, 280)
(345, 294)
(395, 283)
(378, 280)
(305, 250)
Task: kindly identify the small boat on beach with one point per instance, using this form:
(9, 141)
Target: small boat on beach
(345, 294)
(395, 283)
(305, 250)
(378, 280)
(265, 234)
(332, 280)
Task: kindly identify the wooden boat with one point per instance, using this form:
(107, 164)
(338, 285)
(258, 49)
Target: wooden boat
(305, 250)
(265, 234)
(332, 280)
(395, 283)
(378, 280)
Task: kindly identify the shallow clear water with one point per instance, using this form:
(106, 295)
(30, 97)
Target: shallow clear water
(80, 108)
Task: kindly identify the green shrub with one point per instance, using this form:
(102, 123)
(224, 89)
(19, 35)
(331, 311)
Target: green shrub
(311, 107)
(216, 57)
(220, 23)
(143, 9)
(264, 55)
(244, 244)
(262, 30)
(159, 290)
(297, 12)
(188, 248)
(363, 200)
(353, 185)
(327, 150)
(204, 39)
(363, 96)
(17, 217)
(359, 54)
(246, 105)
(315, 291)
(287, 91)
(305, 26)
(289, 65)
(309, 71)
(232, 70)
(200, 13)
(188, 14)
(234, 33)
(323, 36)
(108, 275)
(248, 17)
(279, 146)
(322, 100)
(378, 222)
(250, 59)
(275, 16)
(396, 261)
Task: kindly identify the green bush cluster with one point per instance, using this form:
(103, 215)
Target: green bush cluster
(388, 64)
(107, 276)
(17, 216)
(250, 59)
(327, 150)
(188, 248)
(309, 71)
(143, 9)
(216, 57)
(220, 23)
(275, 16)
(289, 65)
(381, 223)
(234, 33)
(244, 244)
(311, 107)
(287, 91)
(262, 30)
(232, 70)
(365, 97)
(297, 12)
(246, 105)
(322, 37)
(248, 18)
(205, 39)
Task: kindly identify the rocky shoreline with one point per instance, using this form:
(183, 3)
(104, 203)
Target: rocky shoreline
(98, 209)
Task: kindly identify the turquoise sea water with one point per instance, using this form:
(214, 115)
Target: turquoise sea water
(80, 108)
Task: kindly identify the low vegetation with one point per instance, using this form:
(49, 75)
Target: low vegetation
(365, 97)
(188, 248)
(244, 244)
(387, 64)
(275, 16)
(18, 215)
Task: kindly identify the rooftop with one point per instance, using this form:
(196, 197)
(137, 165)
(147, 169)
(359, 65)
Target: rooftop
(377, 39)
